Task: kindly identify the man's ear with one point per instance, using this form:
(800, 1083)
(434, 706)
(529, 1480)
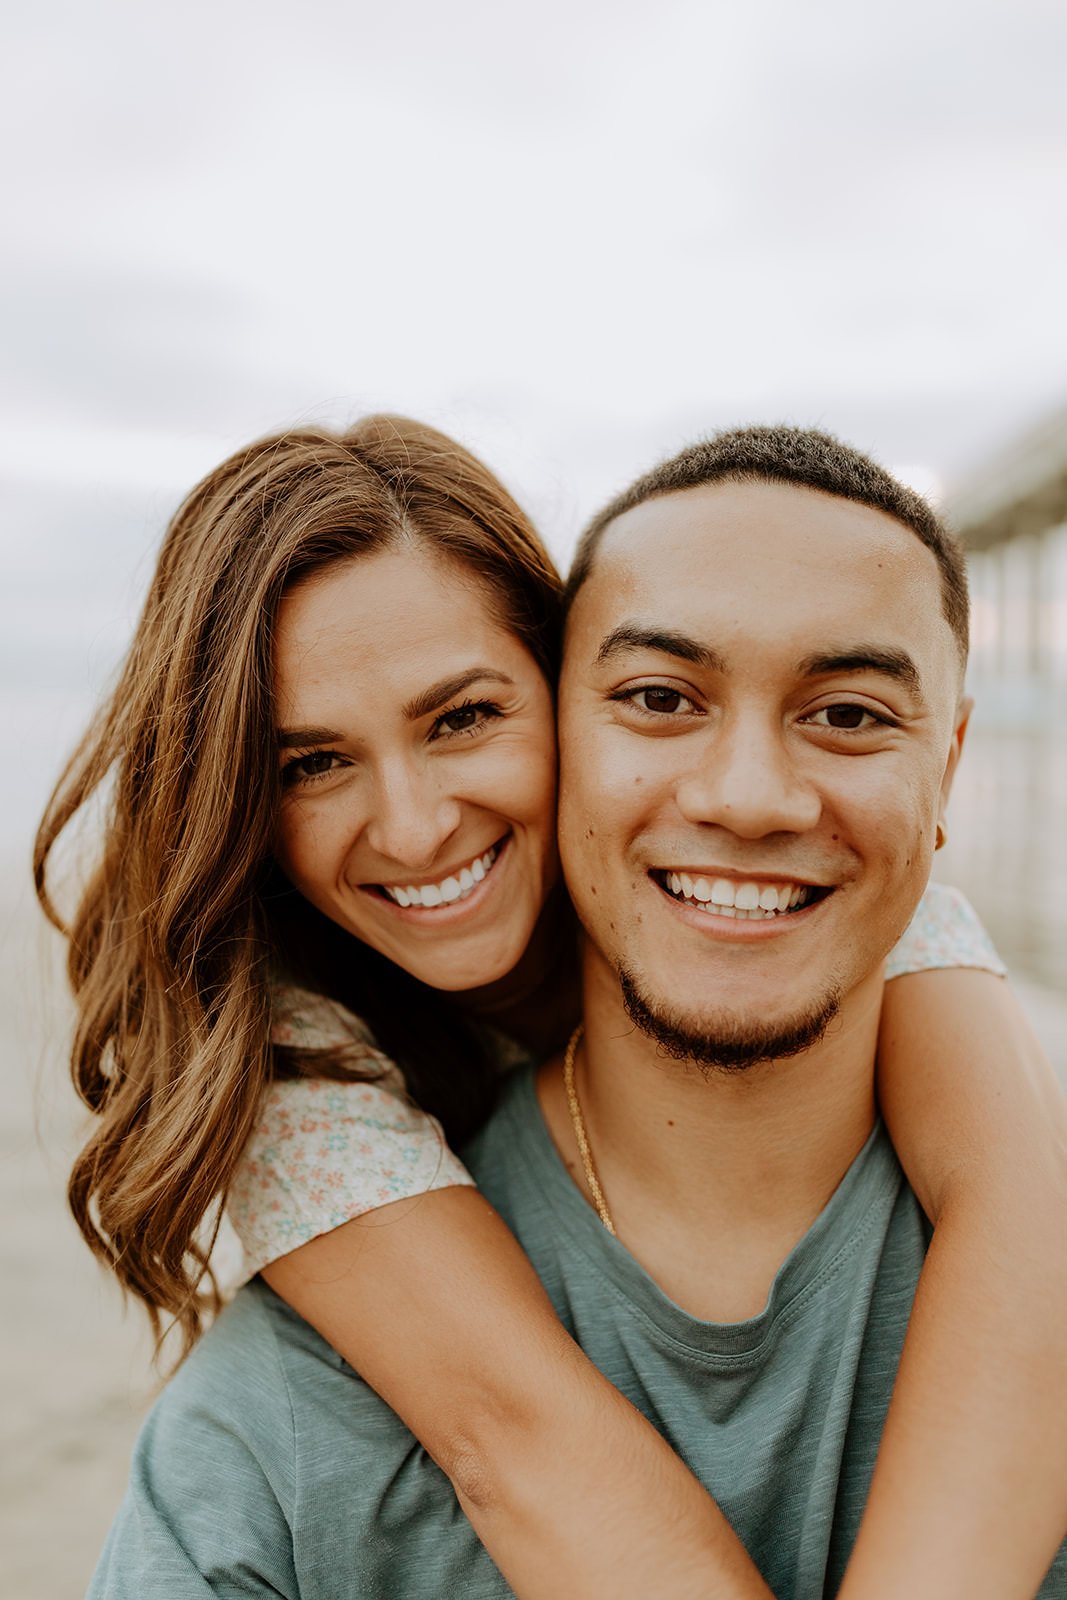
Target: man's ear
(963, 717)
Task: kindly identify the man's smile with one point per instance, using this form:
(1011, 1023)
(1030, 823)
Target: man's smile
(746, 899)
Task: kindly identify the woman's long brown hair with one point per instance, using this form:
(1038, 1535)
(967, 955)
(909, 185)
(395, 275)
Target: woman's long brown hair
(184, 919)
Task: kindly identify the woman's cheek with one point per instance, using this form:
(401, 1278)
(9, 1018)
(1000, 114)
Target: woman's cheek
(308, 840)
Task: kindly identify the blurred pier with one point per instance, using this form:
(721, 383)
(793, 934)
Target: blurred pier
(1007, 851)
(1008, 818)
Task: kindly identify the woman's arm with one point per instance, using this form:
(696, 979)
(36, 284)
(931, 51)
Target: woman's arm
(569, 1488)
(969, 1495)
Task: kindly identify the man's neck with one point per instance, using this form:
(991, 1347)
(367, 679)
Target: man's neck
(711, 1176)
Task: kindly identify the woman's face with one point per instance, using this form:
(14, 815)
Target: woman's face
(418, 755)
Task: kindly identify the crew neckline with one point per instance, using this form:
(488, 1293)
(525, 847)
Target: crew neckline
(865, 1195)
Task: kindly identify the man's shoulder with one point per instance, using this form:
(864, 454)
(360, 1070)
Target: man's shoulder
(213, 1479)
(268, 1454)
(257, 1376)
(238, 1375)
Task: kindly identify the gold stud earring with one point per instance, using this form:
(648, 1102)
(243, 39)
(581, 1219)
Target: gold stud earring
(941, 835)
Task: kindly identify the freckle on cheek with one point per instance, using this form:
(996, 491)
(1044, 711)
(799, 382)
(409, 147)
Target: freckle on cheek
(592, 888)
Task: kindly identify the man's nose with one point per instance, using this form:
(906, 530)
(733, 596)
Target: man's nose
(749, 781)
(411, 817)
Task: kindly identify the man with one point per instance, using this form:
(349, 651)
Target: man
(760, 717)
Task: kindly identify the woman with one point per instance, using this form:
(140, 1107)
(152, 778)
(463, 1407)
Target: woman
(333, 765)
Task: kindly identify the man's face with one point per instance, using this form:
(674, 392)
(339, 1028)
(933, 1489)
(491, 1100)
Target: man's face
(759, 720)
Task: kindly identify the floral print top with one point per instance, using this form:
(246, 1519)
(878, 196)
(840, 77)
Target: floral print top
(323, 1152)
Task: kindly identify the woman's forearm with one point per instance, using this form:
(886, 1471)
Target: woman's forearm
(569, 1488)
(969, 1495)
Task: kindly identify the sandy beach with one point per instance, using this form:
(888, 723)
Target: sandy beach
(76, 1366)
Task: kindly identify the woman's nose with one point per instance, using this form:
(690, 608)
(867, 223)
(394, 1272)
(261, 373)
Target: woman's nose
(411, 818)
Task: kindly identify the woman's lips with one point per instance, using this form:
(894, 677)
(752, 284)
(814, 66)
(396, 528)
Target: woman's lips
(453, 889)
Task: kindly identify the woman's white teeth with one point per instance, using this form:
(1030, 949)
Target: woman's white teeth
(724, 897)
(449, 890)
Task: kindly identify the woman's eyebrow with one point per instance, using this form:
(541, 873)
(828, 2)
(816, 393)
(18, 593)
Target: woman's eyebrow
(295, 738)
(429, 699)
(642, 636)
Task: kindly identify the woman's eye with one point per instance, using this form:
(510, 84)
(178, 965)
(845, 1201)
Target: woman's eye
(467, 718)
(457, 721)
(316, 764)
(657, 698)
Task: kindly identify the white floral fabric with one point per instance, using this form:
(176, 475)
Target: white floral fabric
(944, 932)
(323, 1152)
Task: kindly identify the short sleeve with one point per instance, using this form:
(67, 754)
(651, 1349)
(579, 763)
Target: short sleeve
(944, 932)
(324, 1151)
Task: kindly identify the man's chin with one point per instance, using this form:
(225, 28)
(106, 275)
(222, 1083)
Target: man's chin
(724, 1039)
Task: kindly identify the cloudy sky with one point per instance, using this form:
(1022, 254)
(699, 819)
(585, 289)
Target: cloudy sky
(575, 233)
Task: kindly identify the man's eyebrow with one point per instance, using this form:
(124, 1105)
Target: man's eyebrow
(638, 636)
(447, 689)
(889, 662)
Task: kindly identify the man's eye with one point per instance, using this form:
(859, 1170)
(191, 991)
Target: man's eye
(657, 698)
(847, 718)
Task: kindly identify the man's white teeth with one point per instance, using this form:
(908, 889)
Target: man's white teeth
(724, 897)
(449, 890)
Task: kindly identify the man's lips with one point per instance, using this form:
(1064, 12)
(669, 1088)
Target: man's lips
(755, 898)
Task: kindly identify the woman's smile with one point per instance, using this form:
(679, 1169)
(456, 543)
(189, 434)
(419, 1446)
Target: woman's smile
(456, 887)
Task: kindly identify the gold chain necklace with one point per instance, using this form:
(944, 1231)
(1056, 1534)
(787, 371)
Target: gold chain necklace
(580, 1134)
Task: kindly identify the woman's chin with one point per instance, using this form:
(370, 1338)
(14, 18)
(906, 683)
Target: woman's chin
(468, 974)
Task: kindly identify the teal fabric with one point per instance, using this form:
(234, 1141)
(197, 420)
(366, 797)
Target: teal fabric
(268, 1468)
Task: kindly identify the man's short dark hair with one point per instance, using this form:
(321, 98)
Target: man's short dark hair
(811, 460)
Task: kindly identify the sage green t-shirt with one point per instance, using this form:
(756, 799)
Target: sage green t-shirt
(268, 1468)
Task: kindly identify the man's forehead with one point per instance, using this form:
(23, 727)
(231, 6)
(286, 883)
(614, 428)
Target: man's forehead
(753, 536)
(781, 514)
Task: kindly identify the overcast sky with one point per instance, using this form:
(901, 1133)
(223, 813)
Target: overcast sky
(576, 233)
